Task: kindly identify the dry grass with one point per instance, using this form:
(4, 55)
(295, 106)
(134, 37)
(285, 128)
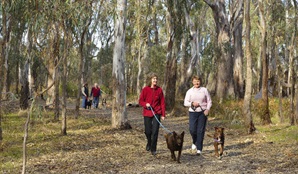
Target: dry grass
(92, 146)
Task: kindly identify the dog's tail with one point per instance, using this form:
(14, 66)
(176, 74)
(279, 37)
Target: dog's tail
(209, 135)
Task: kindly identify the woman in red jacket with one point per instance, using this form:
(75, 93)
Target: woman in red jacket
(153, 102)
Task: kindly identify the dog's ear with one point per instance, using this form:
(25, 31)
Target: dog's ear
(215, 127)
(182, 134)
(165, 135)
(174, 134)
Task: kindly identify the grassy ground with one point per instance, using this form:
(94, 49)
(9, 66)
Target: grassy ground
(92, 146)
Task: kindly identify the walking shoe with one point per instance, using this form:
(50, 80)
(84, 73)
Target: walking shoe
(193, 147)
(199, 152)
(148, 148)
(153, 153)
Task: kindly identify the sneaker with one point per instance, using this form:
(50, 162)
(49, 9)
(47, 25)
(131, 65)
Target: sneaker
(193, 147)
(153, 153)
(199, 152)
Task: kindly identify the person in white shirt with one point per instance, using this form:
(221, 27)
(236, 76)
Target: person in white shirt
(198, 100)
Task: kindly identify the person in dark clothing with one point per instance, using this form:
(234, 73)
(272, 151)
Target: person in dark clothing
(95, 93)
(85, 93)
(153, 102)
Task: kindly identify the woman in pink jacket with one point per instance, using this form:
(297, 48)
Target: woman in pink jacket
(199, 102)
(153, 102)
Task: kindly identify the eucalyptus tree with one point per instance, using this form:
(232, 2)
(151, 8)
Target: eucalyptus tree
(295, 55)
(292, 75)
(236, 12)
(119, 113)
(225, 83)
(6, 17)
(82, 22)
(175, 27)
(194, 13)
(265, 115)
(140, 21)
(248, 89)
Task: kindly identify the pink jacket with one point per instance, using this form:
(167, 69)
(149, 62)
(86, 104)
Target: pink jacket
(200, 95)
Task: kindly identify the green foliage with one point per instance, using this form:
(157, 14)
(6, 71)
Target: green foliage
(71, 89)
(157, 57)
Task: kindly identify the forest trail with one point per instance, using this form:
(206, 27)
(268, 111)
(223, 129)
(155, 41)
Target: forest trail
(106, 150)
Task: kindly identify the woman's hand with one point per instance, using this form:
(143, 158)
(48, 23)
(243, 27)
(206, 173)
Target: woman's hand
(162, 117)
(195, 104)
(147, 105)
(206, 112)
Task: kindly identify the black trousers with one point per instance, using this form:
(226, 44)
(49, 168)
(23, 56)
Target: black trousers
(151, 130)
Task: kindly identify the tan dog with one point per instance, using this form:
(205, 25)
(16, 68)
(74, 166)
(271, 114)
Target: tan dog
(175, 143)
(219, 140)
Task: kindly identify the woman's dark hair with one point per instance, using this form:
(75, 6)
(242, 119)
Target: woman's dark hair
(149, 77)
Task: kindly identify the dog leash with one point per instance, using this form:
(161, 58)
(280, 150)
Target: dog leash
(159, 121)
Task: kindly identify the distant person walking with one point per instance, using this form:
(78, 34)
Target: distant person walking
(198, 100)
(85, 93)
(95, 93)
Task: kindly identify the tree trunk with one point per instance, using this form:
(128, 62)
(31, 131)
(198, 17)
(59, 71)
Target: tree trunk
(64, 80)
(295, 55)
(225, 85)
(119, 114)
(25, 92)
(237, 21)
(292, 51)
(56, 49)
(265, 116)
(51, 67)
(171, 59)
(187, 67)
(248, 90)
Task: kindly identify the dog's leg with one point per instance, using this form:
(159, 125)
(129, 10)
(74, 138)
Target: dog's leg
(173, 155)
(216, 149)
(179, 154)
(221, 149)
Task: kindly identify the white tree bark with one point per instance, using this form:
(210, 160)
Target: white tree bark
(119, 114)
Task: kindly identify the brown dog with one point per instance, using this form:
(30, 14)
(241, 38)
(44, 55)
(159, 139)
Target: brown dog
(175, 143)
(219, 140)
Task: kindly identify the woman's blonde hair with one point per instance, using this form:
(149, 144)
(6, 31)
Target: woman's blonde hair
(149, 77)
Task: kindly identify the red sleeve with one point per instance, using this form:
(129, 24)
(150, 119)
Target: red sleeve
(142, 101)
(163, 104)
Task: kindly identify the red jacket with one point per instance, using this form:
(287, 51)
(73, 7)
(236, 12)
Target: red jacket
(95, 92)
(153, 96)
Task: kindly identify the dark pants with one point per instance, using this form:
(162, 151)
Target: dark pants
(197, 125)
(151, 131)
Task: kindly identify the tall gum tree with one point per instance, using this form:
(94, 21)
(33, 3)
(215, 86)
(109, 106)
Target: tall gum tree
(119, 113)
(248, 90)
(225, 84)
(265, 116)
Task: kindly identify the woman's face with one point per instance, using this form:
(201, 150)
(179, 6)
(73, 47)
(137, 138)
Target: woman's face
(196, 83)
(154, 81)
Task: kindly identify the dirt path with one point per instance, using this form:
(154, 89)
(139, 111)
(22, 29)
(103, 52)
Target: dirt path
(123, 151)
